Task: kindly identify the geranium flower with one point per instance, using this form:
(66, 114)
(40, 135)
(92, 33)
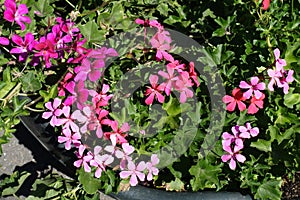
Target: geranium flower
(100, 99)
(193, 74)
(266, 4)
(182, 85)
(25, 46)
(171, 78)
(45, 50)
(54, 112)
(124, 155)
(161, 41)
(4, 41)
(234, 156)
(255, 104)
(237, 98)
(12, 14)
(254, 86)
(248, 129)
(134, 172)
(83, 159)
(69, 138)
(152, 170)
(154, 91)
(118, 134)
(279, 63)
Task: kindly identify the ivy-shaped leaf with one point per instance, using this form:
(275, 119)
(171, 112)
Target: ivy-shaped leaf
(269, 190)
(91, 32)
(30, 82)
(205, 175)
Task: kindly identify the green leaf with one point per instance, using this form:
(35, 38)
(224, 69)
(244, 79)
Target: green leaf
(205, 175)
(89, 182)
(291, 99)
(43, 7)
(15, 179)
(30, 82)
(163, 9)
(91, 32)
(262, 145)
(7, 74)
(269, 190)
(5, 88)
(176, 185)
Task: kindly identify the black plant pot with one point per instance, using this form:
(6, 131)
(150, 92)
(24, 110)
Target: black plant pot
(63, 160)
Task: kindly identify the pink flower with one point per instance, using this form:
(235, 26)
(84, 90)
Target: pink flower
(69, 138)
(255, 104)
(79, 93)
(63, 84)
(161, 41)
(101, 99)
(236, 138)
(266, 4)
(254, 86)
(152, 170)
(4, 41)
(25, 46)
(83, 159)
(124, 155)
(233, 156)
(118, 134)
(154, 91)
(279, 63)
(12, 14)
(182, 85)
(134, 172)
(171, 78)
(69, 120)
(275, 75)
(193, 74)
(249, 130)
(89, 70)
(54, 112)
(237, 98)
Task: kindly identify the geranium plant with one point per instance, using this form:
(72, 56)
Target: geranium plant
(140, 103)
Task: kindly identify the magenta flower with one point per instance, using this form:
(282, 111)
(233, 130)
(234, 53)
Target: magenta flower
(69, 138)
(255, 104)
(58, 38)
(154, 91)
(12, 14)
(233, 156)
(4, 41)
(45, 50)
(134, 172)
(237, 98)
(54, 112)
(254, 86)
(25, 46)
(79, 93)
(152, 170)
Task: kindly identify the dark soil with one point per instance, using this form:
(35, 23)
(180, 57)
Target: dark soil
(291, 188)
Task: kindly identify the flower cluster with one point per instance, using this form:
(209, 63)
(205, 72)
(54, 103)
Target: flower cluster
(279, 75)
(80, 108)
(253, 91)
(177, 76)
(252, 94)
(234, 143)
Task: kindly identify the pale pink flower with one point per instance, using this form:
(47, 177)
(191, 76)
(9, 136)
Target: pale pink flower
(171, 78)
(83, 160)
(127, 149)
(249, 130)
(134, 172)
(152, 170)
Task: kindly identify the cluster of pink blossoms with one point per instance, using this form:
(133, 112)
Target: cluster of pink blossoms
(79, 90)
(234, 143)
(64, 44)
(252, 92)
(177, 76)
